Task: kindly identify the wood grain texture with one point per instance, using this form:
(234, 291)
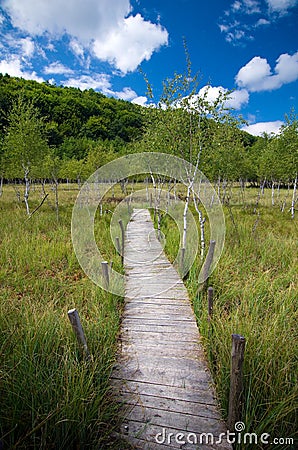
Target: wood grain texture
(161, 376)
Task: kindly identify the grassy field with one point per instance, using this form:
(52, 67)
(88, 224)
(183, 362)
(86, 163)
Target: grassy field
(52, 398)
(256, 295)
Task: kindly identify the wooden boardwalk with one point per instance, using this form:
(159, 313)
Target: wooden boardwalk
(161, 373)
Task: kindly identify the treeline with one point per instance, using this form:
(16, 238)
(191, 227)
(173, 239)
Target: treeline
(49, 132)
(72, 118)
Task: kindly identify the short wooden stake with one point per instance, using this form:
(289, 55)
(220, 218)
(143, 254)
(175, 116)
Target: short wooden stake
(105, 274)
(118, 247)
(74, 318)
(182, 261)
(236, 382)
(210, 302)
(208, 262)
(122, 239)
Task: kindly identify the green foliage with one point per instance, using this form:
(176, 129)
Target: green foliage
(24, 143)
(254, 295)
(50, 397)
(70, 112)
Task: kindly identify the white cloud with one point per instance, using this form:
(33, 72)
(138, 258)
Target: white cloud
(57, 68)
(99, 82)
(235, 100)
(258, 129)
(244, 16)
(106, 26)
(262, 22)
(142, 101)
(281, 5)
(76, 48)
(28, 47)
(132, 42)
(126, 94)
(251, 6)
(80, 18)
(13, 67)
(256, 75)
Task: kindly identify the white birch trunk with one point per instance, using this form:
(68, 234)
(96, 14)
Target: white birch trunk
(202, 226)
(294, 198)
(1, 186)
(184, 236)
(56, 198)
(27, 189)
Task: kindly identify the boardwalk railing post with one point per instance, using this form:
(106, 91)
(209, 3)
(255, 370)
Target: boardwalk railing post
(74, 318)
(105, 274)
(122, 239)
(118, 248)
(182, 261)
(210, 302)
(236, 382)
(208, 262)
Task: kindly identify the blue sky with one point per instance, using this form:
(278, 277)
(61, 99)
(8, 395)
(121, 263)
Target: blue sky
(250, 46)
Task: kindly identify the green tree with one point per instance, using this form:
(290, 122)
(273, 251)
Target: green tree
(25, 145)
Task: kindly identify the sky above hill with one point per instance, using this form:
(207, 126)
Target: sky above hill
(250, 46)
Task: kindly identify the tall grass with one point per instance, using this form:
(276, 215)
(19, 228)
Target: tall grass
(255, 286)
(51, 397)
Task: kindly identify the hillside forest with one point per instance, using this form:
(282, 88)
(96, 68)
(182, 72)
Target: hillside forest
(63, 133)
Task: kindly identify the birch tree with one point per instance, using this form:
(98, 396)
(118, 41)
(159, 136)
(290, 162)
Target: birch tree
(181, 123)
(24, 144)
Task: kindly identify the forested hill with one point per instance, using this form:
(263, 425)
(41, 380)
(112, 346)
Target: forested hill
(72, 113)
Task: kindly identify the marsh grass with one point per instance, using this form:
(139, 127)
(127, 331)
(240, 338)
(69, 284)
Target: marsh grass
(50, 396)
(255, 286)
(52, 399)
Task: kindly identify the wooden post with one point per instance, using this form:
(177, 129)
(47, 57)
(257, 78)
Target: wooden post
(208, 262)
(118, 248)
(105, 274)
(74, 318)
(122, 239)
(182, 260)
(236, 382)
(210, 302)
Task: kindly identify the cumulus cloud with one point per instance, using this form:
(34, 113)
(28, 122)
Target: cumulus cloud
(235, 100)
(132, 42)
(102, 83)
(99, 82)
(13, 67)
(126, 94)
(28, 47)
(257, 75)
(76, 48)
(281, 5)
(141, 100)
(80, 18)
(258, 129)
(57, 68)
(244, 16)
(106, 26)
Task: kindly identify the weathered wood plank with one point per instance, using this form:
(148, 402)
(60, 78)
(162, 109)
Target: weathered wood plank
(169, 404)
(198, 395)
(151, 437)
(161, 377)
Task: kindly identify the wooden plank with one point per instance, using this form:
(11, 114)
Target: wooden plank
(149, 348)
(145, 436)
(168, 419)
(169, 404)
(202, 394)
(183, 327)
